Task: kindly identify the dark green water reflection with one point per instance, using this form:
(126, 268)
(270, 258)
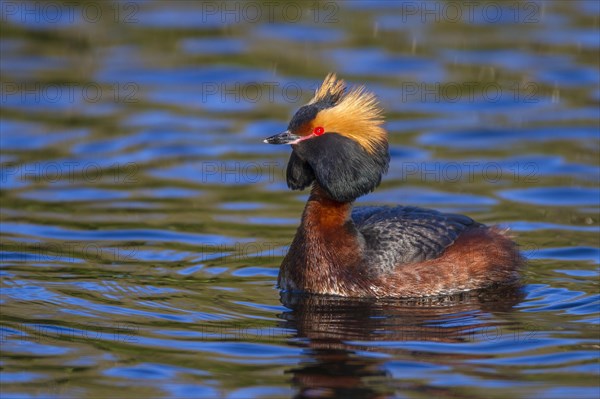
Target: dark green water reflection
(143, 220)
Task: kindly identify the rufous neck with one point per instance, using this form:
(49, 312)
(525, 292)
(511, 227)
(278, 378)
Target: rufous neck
(323, 213)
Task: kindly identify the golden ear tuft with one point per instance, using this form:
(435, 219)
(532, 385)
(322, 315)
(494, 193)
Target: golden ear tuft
(330, 91)
(356, 115)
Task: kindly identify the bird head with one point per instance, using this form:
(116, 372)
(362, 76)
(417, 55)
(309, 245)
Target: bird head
(338, 141)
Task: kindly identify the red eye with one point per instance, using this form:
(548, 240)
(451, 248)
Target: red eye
(318, 131)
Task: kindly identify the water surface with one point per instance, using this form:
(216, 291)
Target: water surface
(143, 220)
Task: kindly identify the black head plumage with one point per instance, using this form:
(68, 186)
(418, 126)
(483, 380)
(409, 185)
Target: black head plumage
(339, 165)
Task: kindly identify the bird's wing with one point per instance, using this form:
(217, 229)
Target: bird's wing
(404, 234)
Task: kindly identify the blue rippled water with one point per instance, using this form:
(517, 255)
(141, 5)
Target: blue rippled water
(143, 220)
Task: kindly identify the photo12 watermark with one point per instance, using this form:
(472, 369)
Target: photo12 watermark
(516, 12)
(67, 252)
(62, 13)
(219, 253)
(230, 12)
(240, 172)
(470, 171)
(70, 171)
(68, 93)
(471, 92)
(39, 333)
(252, 92)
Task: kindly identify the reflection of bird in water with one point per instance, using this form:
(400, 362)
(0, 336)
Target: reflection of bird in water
(337, 333)
(340, 148)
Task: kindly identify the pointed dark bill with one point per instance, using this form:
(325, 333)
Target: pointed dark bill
(282, 138)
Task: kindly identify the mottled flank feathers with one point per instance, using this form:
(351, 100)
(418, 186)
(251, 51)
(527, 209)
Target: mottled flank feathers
(406, 234)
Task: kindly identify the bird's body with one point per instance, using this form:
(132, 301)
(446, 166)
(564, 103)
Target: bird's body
(374, 251)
